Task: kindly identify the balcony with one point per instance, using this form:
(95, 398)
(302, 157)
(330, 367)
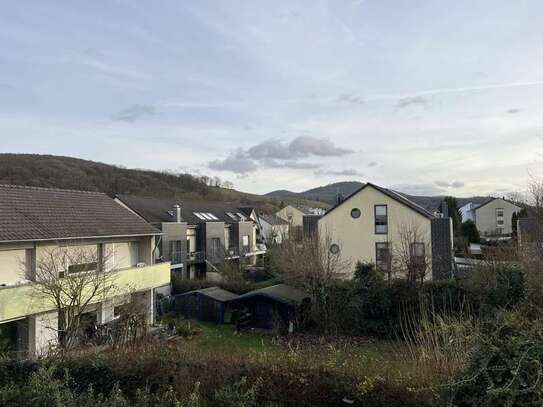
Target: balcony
(21, 300)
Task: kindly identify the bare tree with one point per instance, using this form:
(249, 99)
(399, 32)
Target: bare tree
(410, 253)
(72, 279)
(313, 264)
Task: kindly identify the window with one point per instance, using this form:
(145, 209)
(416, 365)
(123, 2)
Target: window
(175, 252)
(381, 219)
(355, 213)
(241, 216)
(215, 247)
(417, 252)
(245, 241)
(78, 268)
(499, 217)
(212, 216)
(199, 215)
(334, 248)
(383, 259)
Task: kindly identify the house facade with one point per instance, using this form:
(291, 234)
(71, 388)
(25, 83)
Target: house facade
(274, 229)
(199, 236)
(73, 231)
(379, 226)
(492, 217)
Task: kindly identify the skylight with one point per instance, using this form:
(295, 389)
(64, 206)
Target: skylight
(241, 216)
(199, 215)
(231, 216)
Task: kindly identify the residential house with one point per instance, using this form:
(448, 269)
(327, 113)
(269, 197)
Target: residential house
(38, 224)
(274, 229)
(377, 225)
(492, 217)
(199, 236)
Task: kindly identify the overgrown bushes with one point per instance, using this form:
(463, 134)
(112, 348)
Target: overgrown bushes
(155, 371)
(369, 306)
(505, 367)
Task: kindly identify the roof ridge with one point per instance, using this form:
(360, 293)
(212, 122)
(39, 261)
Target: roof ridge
(35, 188)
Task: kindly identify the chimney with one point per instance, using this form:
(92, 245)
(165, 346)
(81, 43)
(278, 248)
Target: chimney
(177, 213)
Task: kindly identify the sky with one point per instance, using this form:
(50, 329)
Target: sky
(425, 96)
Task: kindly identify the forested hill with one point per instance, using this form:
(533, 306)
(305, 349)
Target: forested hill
(73, 173)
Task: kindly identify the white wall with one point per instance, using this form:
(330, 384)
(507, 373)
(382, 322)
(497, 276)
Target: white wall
(13, 266)
(43, 333)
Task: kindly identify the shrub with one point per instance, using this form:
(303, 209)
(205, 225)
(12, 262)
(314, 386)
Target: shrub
(506, 366)
(237, 395)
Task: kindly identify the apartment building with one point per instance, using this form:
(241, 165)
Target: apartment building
(380, 226)
(492, 217)
(39, 227)
(198, 236)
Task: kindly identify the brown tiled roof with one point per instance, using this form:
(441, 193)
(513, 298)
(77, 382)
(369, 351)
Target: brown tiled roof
(31, 213)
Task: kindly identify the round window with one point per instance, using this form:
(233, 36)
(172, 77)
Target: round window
(334, 249)
(355, 213)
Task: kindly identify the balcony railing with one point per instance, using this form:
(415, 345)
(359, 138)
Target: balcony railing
(21, 300)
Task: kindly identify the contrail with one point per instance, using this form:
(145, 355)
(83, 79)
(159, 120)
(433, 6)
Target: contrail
(439, 91)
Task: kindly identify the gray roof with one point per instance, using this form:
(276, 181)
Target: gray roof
(158, 210)
(215, 293)
(279, 292)
(32, 213)
(392, 194)
(274, 220)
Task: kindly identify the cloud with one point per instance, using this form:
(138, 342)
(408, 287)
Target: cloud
(276, 153)
(236, 162)
(412, 100)
(450, 184)
(372, 164)
(418, 189)
(135, 112)
(289, 164)
(350, 172)
(351, 99)
(300, 147)
(512, 111)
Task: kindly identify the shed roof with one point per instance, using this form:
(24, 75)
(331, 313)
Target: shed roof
(215, 293)
(34, 214)
(279, 292)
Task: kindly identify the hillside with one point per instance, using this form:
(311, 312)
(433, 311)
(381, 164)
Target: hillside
(73, 173)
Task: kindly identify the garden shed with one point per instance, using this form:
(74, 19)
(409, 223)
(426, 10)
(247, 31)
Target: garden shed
(206, 304)
(279, 306)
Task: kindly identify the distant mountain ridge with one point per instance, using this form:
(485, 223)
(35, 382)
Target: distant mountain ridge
(328, 194)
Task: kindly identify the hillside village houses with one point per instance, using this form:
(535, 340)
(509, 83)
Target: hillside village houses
(150, 238)
(492, 216)
(198, 236)
(66, 233)
(377, 225)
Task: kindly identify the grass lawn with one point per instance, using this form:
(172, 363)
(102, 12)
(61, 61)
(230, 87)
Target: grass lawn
(387, 359)
(225, 338)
